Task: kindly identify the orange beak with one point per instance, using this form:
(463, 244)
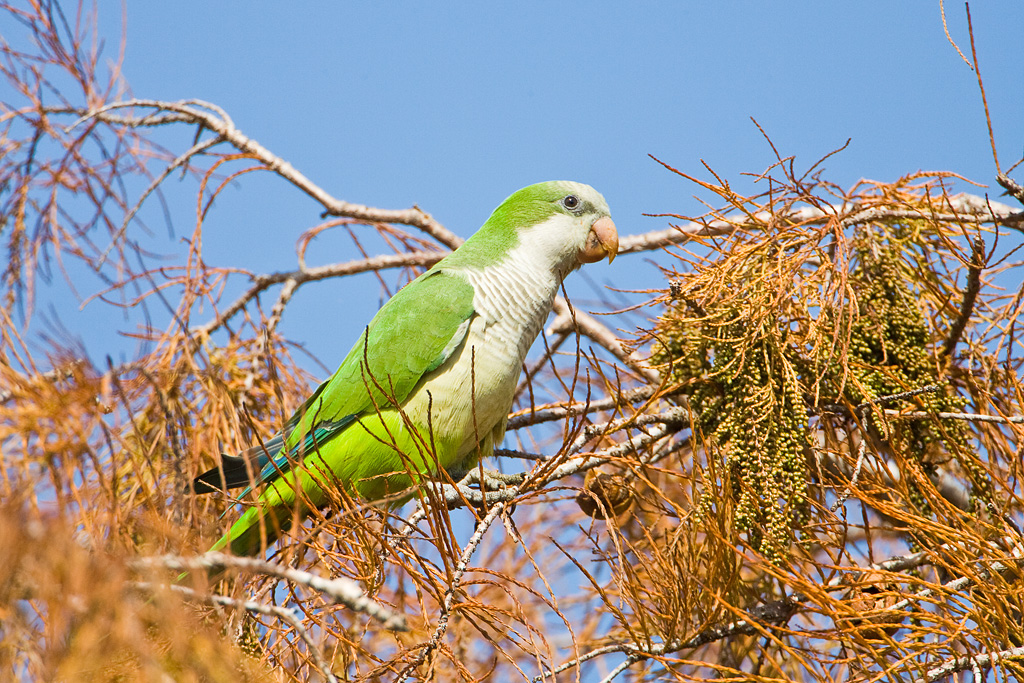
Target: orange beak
(602, 241)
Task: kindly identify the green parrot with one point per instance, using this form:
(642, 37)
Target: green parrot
(431, 380)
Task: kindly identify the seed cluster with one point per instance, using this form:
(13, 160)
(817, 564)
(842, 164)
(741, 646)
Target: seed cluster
(891, 350)
(749, 407)
(754, 364)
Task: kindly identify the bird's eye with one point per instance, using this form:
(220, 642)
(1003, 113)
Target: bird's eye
(571, 202)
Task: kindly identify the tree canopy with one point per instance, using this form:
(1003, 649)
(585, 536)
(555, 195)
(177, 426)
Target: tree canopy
(798, 460)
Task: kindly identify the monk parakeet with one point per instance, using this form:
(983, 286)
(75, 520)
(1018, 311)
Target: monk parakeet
(430, 381)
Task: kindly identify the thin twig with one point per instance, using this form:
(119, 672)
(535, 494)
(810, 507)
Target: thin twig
(942, 11)
(597, 332)
(198, 148)
(263, 282)
(574, 408)
(963, 205)
(1013, 187)
(981, 87)
(862, 449)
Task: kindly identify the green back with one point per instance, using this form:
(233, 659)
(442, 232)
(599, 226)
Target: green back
(405, 340)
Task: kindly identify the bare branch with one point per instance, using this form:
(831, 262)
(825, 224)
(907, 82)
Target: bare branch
(216, 120)
(340, 590)
(984, 661)
(969, 417)
(263, 282)
(1013, 188)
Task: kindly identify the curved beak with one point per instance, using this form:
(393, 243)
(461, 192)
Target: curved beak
(602, 241)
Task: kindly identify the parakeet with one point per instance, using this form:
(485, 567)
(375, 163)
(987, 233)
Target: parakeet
(431, 380)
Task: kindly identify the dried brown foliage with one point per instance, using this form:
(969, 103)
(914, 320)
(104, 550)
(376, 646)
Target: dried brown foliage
(637, 540)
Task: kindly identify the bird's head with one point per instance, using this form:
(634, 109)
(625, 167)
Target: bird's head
(561, 223)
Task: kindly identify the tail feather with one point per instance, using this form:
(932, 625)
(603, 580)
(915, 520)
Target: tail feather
(248, 468)
(232, 473)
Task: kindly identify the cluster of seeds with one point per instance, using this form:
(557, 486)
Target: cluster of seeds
(749, 408)
(891, 350)
(755, 367)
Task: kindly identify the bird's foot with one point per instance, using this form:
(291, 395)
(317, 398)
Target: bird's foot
(490, 480)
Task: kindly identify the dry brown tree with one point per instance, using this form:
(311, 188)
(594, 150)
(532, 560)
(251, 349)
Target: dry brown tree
(805, 466)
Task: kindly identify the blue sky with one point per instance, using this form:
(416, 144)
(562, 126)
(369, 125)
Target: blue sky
(454, 106)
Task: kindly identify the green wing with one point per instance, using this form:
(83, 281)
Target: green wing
(415, 332)
(412, 334)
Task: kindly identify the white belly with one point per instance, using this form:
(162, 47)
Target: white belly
(472, 392)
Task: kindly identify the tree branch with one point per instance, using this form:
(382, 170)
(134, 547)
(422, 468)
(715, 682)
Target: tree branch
(214, 118)
(340, 590)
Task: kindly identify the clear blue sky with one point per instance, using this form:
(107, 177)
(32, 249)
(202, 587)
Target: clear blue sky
(454, 106)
